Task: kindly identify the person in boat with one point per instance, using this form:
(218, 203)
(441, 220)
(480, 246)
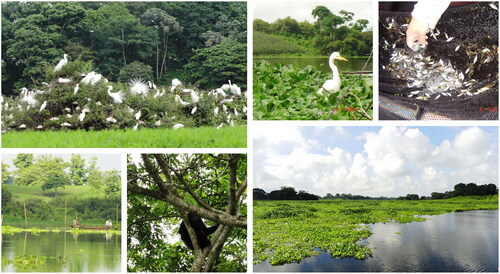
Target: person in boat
(75, 224)
(108, 223)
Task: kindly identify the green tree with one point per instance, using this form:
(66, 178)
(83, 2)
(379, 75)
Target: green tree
(6, 175)
(37, 173)
(163, 189)
(165, 25)
(55, 179)
(77, 170)
(214, 66)
(23, 160)
(261, 25)
(112, 183)
(134, 70)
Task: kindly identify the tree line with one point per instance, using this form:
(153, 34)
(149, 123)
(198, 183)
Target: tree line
(49, 172)
(99, 201)
(461, 189)
(330, 32)
(285, 193)
(201, 43)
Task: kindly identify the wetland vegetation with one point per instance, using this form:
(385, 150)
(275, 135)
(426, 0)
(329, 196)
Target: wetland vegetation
(290, 231)
(43, 197)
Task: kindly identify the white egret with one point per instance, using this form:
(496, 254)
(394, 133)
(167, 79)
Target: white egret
(216, 111)
(158, 123)
(177, 126)
(117, 96)
(244, 109)
(178, 99)
(136, 126)
(64, 80)
(96, 78)
(42, 107)
(235, 112)
(175, 84)
(138, 86)
(54, 119)
(111, 120)
(82, 115)
(224, 108)
(221, 125)
(332, 85)
(23, 126)
(61, 63)
(67, 109)
(66, 124)
(193, 111)
(194, 97)
(39, 127)
(138, 115)
(231, 124)
(76, 89)
(86, 80)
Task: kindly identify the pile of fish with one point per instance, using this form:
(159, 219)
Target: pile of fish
(430, 76)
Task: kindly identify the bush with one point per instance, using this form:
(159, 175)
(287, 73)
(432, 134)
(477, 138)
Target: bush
(135, 70)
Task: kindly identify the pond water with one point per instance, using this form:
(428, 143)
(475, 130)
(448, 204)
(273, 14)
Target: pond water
(321, 63)
(89, 252)
(454, 242)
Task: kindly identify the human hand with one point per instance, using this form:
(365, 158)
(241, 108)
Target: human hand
(416, 32)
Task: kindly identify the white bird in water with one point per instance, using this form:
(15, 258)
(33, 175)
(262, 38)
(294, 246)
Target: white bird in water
(175, 84)
(76, 89)
(117, 96)
(333, 85)
(42, 107)
(177, 126)
(61, 63)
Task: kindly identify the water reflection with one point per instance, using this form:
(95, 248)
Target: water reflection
(454, 242)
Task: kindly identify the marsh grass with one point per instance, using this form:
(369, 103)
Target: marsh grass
(202, 137)
(289, 231)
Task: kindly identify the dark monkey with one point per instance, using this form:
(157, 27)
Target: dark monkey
(202, 231)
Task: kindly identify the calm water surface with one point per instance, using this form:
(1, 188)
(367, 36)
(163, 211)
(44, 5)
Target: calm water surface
(321, 63)
(453, 242)
(94, 252)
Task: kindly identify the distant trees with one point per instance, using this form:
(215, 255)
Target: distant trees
(331, 32)
(285, 193)
(350, 196)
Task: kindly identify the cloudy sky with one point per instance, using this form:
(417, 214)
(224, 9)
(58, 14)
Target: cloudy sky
(105, 162)
(270, 11)
(374, 161)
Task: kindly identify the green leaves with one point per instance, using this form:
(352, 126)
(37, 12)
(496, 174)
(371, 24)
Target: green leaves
(288, 93)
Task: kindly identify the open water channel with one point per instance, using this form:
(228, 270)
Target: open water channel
(88, 252)
(453, 242)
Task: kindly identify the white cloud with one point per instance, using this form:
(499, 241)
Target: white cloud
(393, 161)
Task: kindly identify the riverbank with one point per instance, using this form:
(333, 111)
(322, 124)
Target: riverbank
(12, 229)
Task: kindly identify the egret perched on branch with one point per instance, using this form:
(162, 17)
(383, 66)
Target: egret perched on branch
(175, 84)
(61, 63)
(333, 85)
(117, 96)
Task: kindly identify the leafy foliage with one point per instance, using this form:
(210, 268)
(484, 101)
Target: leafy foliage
(286, 232)
(330, 32)
(288, 93)
(200, 180)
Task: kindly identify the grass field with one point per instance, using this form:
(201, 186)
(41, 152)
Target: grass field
(264, 43)
(289, 231)
(203, 137)
(70, 192)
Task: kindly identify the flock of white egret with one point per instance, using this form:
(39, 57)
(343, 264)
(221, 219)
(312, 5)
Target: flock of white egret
(67, 101)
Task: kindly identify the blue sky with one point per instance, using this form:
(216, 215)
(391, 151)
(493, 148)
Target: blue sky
(375, 161)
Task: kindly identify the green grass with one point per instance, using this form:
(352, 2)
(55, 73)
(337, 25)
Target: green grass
(202, 137)
(289, 231)
(264, 43)
(23, 193)
(290, 93)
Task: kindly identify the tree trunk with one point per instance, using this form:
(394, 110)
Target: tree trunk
(165, 47)
(157, 59)
(123, 48)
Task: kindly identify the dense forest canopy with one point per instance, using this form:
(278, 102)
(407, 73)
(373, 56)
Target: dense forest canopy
(330, 32)
(163, 189)
(39, 183)
(153, 40)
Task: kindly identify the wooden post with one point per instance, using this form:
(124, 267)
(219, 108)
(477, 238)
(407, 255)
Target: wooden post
(25, 216)
(65, 214)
